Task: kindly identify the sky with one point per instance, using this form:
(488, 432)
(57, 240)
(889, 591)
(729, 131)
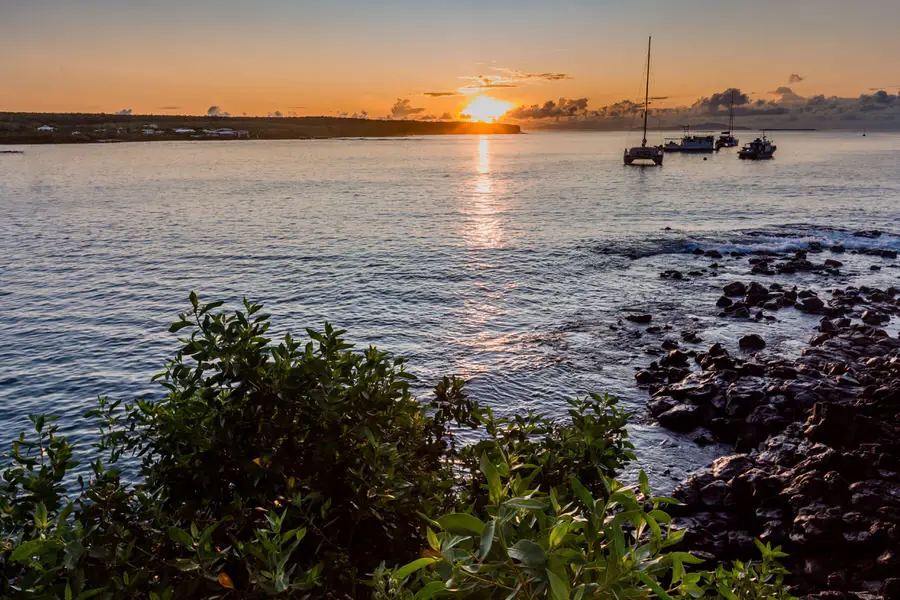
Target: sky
(348, 56)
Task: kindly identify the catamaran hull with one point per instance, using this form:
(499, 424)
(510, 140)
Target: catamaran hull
(756, 155)
(689, 150)
(643, 155)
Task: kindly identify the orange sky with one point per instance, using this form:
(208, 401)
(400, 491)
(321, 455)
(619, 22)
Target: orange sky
(290, 56)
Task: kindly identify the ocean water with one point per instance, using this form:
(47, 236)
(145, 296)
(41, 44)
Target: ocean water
(507, 260)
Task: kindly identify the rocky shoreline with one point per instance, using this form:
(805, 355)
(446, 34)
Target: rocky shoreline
(816, 467)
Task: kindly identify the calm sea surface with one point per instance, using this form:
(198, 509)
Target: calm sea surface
(506, 260)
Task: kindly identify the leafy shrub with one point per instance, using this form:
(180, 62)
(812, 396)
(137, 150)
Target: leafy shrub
(298, 470)
(567, 544)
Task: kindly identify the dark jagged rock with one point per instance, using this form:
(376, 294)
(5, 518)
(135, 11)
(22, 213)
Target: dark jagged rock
(819, 442)
(752, 342)
(643, 319)
(724, 302)
(811, 305)
(735, 288)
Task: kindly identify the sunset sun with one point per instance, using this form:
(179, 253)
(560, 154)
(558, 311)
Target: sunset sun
(486, 109)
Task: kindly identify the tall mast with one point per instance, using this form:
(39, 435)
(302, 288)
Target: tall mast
(731, 114)
(647, 93)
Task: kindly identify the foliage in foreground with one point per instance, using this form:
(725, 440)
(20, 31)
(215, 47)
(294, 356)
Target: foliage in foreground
(309, 470)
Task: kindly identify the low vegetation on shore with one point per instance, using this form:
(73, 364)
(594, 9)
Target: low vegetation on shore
(308, 470)
(45, 128)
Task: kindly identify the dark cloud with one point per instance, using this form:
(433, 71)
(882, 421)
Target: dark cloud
(403, 109)
(787, 96)
(446, 117)
(277, 114)
(880, 97)
(794, 78)
(216, 111)
(817, 100)
(522, 75)
(564, 107)
(439, 94)
(125, 112)
(722, 100)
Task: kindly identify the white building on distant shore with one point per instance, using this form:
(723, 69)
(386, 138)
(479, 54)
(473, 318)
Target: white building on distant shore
(46, 128)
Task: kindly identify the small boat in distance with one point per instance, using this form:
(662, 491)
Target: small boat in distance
(758, 149)
(645, 152)
(727, 139)
(12, 152)
(690, 143)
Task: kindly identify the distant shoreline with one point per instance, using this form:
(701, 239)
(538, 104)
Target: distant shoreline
(45, 128)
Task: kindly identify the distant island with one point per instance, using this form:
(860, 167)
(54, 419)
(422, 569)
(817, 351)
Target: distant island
(71, 128)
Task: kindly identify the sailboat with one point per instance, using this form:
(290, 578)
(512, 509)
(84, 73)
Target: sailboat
(727, 139)
(645, 152)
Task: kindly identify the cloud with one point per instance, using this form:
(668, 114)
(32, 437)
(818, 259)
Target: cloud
(507, 78)
(880, 97)
(787, 96)
(402, 109)
(275, 115)
(125, 112)
(722, 100)
(216, 111)
(440, 94)
(564, 107)
(446, 117)
(523, 76)
(168, 107)
(795, 78)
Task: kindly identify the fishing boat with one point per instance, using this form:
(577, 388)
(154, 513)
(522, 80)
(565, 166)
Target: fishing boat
(644, 153)
(758, 149)
(690, 143)
(727, 139)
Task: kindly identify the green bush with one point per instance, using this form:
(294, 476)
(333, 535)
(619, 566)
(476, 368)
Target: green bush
(300, 470)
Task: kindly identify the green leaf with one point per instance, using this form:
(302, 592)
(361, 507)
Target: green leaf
(461, 523)
(26, 550)
(686, 557)
(433, 540)
(582, 494)
(644, 483)
(410, 568)
(725, 592)
(495, 488)
(525, 503)
(431, 590)
(559, 587)
(558, 534)
(212, 306)
(529, 553)
(179, 325)
(194, 300)
(487, 538)
(180, 536)
(186, 564)
(653, 585)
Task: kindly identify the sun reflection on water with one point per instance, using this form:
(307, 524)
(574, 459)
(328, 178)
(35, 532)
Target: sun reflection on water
(484, 222)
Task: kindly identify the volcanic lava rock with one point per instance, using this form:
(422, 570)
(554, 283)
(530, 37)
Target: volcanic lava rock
(752, 342)
(735, 288)
(639, 318)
